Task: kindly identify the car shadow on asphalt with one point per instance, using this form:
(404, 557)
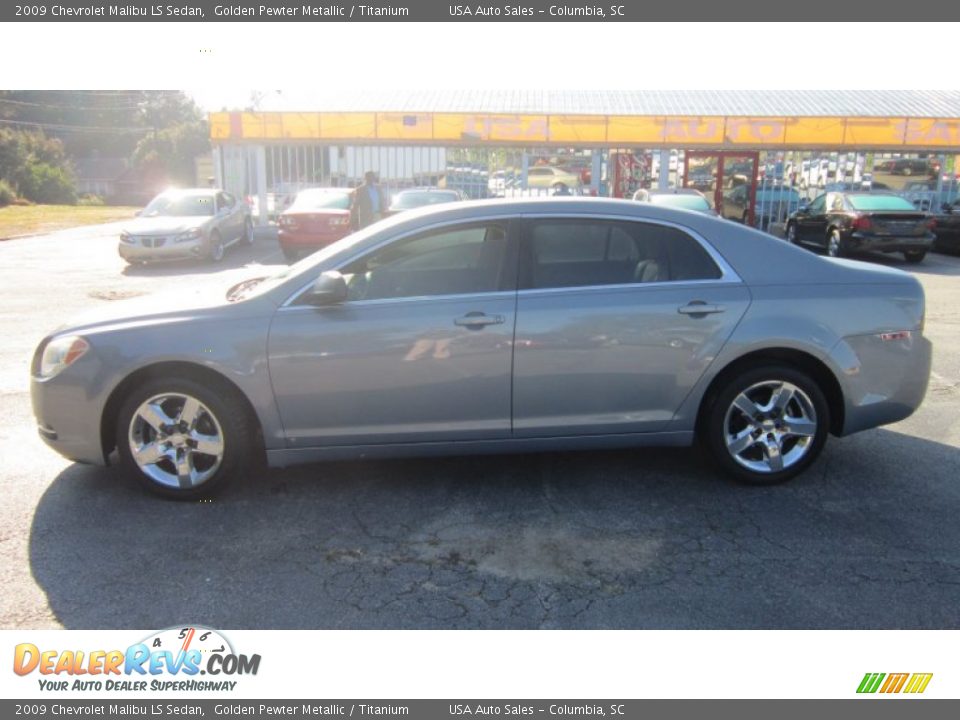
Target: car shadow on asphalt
(935, 263)
(866, 538)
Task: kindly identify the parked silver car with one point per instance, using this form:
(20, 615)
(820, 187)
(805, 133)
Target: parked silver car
(495, 326)
(177, 224)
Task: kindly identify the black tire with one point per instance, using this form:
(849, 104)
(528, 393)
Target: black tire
(915, 256)
(217, 249)
(835, 246)
(231, 424)
(713, 430)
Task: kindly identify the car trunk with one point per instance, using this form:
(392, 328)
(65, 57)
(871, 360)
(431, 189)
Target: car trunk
(898, 223)
(321, 223)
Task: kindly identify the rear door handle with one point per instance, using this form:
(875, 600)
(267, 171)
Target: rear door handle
(698, 307)
(477, 320)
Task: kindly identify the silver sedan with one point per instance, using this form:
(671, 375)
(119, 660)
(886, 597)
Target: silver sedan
(179, 224)
(495, 326)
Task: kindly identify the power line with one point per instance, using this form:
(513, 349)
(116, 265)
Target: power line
(71, 106)
(76, 128)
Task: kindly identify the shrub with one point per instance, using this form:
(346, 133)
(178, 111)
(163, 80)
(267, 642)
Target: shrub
(90, 199)
(46, 184)
(7, 195)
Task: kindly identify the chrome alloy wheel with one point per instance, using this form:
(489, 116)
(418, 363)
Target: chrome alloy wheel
(175, 440)
(770, 426)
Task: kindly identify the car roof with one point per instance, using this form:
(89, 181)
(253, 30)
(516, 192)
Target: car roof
(191, 191)
(675, 191)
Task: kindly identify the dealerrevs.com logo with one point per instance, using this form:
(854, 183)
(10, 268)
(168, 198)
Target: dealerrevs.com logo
(171, 659)
(911, 683)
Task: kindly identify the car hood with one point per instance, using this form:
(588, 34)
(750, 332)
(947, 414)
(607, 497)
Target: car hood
(164, 224)
(173, 306)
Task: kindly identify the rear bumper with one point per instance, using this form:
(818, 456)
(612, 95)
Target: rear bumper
(884, 381)
(889, 243)
(300, 241)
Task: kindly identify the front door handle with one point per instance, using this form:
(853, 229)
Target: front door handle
(477, 320)
(698, 307)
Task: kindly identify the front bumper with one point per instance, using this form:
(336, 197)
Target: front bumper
(63, 411)
(137, 252)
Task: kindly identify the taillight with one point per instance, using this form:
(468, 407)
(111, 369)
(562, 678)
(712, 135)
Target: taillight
(863, 223)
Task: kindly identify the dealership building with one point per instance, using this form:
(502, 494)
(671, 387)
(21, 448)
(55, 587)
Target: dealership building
(510, 143)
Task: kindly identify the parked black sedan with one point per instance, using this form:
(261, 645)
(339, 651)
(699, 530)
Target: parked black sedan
(846, 222)
(947, 228)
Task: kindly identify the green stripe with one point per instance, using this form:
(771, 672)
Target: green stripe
(871, 682)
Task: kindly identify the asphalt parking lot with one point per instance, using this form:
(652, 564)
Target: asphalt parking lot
(868, 538)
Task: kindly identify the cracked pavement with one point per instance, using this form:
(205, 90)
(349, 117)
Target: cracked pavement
(867, 538)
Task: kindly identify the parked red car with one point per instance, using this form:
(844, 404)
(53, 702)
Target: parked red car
(315, 219)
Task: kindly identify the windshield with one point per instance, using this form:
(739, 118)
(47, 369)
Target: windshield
(407, 200)
(321, 200)
(179, 205)
(880, 202)
(261, 285)
(687, 202)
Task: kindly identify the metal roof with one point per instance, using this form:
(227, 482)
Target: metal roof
(746, 103)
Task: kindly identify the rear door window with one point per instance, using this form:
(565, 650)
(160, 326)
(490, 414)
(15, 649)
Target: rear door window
(583, 253)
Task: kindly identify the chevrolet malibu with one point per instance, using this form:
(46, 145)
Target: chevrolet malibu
(495, 326)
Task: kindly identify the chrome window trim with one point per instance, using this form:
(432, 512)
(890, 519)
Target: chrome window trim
(481, 297)
(728, 276)
(289, 302)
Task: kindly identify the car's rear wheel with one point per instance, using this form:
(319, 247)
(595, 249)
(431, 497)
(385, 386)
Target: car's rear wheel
(915, 256)
(835, 244)
(217, 248)
(183, 439)
(766, 425)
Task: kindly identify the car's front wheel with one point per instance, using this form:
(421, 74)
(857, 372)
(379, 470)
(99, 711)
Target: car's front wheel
(766, 425)
(183, 439)
(217, 248)
(915, 256)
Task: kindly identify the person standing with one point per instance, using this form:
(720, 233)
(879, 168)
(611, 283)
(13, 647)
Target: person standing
(368, 200)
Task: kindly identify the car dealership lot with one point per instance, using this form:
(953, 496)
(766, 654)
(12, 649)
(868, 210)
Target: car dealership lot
(627, 539)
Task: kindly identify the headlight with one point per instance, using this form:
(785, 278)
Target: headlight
(188, 235)
(125, 237)
(60, 353)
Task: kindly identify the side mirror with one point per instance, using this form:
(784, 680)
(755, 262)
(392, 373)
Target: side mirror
(804, 209)
(329, 289)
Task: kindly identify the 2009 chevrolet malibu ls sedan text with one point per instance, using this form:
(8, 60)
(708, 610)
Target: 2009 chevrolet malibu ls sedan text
(496, 326)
